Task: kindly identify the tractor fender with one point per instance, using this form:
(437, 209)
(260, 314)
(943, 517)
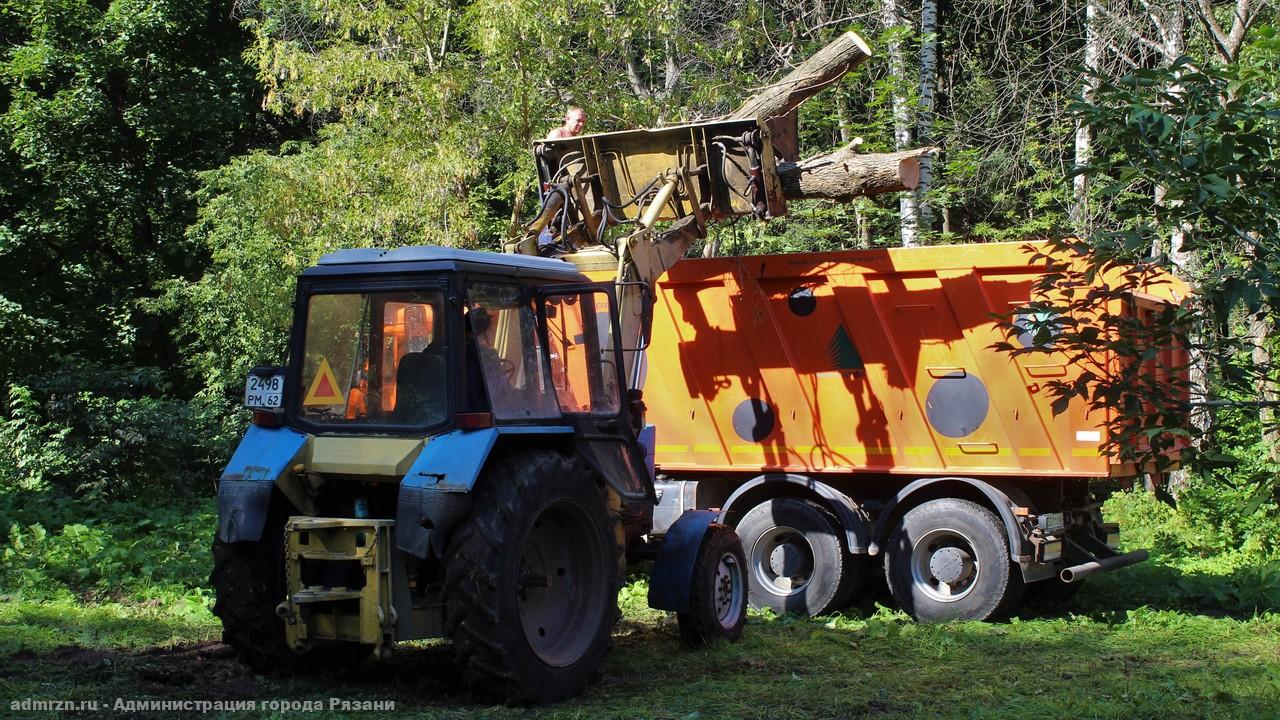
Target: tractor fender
(857, 529)
(1020, 549)
(672, 576)
(435, 494)
(244, 489)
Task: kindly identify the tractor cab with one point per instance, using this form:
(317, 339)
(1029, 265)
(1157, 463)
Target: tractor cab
(418, 341)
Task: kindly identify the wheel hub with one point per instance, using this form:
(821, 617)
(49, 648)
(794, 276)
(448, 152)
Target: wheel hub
(558, 584)
(782, 561)
(944, 565)
(950, 565)
(787, 560)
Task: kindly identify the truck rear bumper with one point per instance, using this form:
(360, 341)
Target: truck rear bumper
(1092, 557)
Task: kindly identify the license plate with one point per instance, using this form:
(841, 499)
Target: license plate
(265, 392)
(1053, 523)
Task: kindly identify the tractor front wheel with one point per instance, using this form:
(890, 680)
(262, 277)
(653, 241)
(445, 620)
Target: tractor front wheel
(532, 579)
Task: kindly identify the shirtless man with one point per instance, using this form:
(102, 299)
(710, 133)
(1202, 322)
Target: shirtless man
(574, 120)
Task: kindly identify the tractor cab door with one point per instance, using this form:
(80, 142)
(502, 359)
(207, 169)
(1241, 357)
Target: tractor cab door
(584, 352)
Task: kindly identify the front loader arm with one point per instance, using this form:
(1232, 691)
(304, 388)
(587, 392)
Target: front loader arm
(604, 197)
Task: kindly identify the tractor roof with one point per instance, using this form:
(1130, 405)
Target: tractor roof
(364, 261)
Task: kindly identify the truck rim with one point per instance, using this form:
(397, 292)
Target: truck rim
(944, 565)
(561, 587)
(783, 560)
(730, 588)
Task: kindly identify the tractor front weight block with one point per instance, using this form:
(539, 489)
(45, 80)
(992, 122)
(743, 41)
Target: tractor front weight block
(338, 577)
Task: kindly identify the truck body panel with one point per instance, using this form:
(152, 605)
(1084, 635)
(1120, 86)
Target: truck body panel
(874, 361)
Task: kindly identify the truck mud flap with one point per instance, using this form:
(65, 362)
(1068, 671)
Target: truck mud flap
(419, 511)
(436, 492)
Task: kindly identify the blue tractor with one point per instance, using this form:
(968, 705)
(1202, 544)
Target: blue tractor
(453, 451)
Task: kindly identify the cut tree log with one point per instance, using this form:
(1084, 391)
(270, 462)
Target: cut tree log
(844, 174)
(822, 69)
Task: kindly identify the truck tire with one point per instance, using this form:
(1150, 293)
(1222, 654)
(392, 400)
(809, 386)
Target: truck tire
(796, 558)
(718, 593)
(948, 559)
(532, 579)
(248, 583)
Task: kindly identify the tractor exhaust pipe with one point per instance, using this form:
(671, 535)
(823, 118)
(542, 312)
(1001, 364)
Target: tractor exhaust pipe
(1083, 570)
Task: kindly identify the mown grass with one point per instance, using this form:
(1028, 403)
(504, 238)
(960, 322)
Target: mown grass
(1185, 635)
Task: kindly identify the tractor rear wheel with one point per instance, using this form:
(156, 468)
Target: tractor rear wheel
(248, 583)
(532, 579)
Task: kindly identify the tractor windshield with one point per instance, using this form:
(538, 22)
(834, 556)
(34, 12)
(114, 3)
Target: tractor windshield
(503, 345)
(374, 358)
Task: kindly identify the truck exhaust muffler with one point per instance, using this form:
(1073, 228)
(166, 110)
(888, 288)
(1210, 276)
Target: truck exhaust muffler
(1083, 570)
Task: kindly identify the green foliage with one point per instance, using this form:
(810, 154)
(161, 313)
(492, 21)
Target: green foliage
(102, 433)
(1212, 553)
(106, 112)
(92, 550)
(1205, 136)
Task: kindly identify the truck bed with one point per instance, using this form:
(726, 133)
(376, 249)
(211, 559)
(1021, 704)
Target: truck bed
(876, 361)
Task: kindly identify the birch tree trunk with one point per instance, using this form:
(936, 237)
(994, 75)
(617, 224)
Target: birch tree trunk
(1084, 134)
(1169, 21)
(924, 108)
(892, 19)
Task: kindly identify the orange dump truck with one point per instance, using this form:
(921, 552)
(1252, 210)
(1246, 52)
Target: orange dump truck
(843, 408)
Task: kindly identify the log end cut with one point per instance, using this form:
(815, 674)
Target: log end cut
(909, 172)
(856, 40)
(845, 174)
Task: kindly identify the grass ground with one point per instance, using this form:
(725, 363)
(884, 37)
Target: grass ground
(1176, 637)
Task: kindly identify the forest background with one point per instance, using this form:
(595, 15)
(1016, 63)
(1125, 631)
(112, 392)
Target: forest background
(166, 168)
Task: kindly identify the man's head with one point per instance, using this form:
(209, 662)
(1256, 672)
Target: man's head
(575, 118)
(481, 323)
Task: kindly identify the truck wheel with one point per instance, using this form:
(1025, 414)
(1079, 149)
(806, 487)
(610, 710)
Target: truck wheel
(796, 559)
(532, 579)
(248, 583)
(948, 559)
(718, 596)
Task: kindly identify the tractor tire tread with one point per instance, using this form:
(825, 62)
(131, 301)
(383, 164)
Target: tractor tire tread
(483, 644)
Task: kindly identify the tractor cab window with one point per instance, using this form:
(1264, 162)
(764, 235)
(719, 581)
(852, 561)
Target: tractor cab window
(580, 335)
(502, 348)
(374, 358)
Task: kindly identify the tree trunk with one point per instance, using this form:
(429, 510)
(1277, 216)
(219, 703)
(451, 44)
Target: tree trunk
(823, 68)
(1260, 330)
(924, 108)
(844, 175)
(892, 19)
(1227, 43)
(1084, 134)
